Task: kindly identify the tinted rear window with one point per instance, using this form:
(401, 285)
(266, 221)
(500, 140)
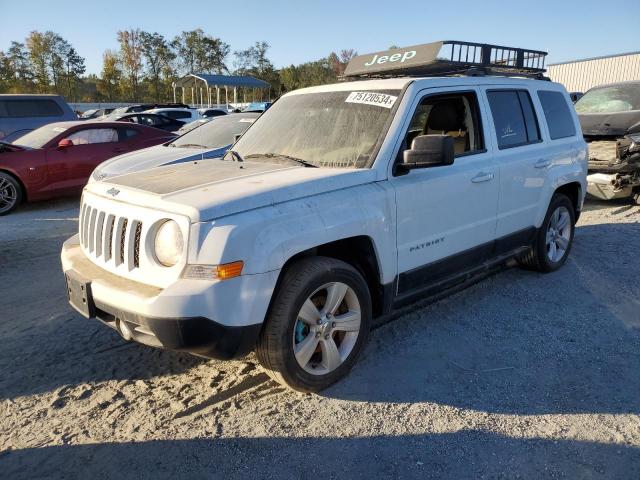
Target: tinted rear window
(557, 114)
(513, 117)
(176, 115)
(29, 108)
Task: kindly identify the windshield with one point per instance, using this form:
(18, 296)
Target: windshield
(326, 129)
(39, 137)
(616, 98)
(88, 113)
(219, 132)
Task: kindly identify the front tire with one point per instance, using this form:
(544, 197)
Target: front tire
(554, 238)
(10, 193)
(318, 323)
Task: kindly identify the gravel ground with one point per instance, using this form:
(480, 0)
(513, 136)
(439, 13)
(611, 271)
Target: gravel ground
(522, 375)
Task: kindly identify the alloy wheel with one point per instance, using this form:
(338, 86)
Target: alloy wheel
(327, 328)
(558, 234)
(8, 195)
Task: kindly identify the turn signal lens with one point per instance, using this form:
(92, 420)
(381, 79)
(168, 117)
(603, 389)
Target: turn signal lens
(213, 272)
(229, 270)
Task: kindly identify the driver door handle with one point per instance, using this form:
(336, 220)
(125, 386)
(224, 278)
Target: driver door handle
(544, 163)
(482, 177)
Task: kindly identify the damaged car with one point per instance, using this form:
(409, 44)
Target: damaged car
(610, 120)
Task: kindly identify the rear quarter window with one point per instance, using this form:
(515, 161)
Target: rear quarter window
(513, 117)
(127, 134)
(557, 114)
(29, 108)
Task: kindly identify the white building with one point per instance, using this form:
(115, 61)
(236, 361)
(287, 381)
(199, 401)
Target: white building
(581, 75)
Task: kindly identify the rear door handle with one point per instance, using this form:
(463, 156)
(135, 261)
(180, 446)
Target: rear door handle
(482, 177)
(542, 163)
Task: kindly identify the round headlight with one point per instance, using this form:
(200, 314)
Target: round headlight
(169, 243)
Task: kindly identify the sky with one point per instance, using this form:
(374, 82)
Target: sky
(300, 31)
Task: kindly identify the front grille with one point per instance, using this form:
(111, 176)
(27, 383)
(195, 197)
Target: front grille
(110, 238)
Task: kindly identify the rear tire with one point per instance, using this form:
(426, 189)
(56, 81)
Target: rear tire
(10, 193)
(317, 325)
(554, 238)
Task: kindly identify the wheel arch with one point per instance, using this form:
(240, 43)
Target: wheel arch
(357, 251)
(573, 190)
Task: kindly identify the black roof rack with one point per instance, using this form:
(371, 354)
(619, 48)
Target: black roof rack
(449, 57)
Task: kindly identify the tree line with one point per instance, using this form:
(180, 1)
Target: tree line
(146, 64)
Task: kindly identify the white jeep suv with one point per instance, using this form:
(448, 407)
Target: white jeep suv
(341, 203)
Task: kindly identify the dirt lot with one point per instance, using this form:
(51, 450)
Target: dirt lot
(520, 376)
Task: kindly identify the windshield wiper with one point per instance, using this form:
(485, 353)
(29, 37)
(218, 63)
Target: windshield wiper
(235, 155)
(281, 155)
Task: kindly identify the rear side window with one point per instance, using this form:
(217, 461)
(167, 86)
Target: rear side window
(557, 114)
(513, 117)
(177, 115)
(91, 136)
(29, 108)
(127, 134)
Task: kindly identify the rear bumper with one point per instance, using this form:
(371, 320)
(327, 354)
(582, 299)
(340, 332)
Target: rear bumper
(608, 186)
(215, 319)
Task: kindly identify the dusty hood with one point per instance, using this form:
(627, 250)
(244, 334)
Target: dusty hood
(209, 190)
(608, 124)
(151, 157)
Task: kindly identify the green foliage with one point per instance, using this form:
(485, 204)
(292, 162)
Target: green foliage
(146, 64)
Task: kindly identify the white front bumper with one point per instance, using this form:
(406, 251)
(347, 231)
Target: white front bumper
(237, 302)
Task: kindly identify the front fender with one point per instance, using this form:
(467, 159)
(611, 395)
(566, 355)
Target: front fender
(265, 238)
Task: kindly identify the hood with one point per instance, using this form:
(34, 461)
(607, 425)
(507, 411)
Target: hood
(608, 124)
(209, 190)
(10, 147)
(155, 156)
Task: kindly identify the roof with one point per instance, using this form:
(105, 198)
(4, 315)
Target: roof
(398, 83)
(167, 109)
(222, 80)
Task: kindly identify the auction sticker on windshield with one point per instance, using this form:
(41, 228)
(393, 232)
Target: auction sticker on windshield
(372, 98)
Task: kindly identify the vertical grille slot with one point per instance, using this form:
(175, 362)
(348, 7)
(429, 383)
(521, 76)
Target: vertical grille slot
(136, 245)
(123, 234)
(108, 237)
(99, 234)
(85, 226)
(92, 230)
(83, 209)
(117, 243)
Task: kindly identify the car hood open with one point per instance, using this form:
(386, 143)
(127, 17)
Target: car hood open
(209, 190)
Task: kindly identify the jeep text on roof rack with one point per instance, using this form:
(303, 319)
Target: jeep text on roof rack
(339, 204)
(448, 58)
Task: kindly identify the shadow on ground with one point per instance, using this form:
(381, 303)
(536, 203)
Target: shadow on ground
(519, 342)
(464, 454)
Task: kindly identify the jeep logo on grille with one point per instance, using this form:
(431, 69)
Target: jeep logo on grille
(113, 192)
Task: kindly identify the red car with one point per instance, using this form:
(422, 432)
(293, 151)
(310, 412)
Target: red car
(57, 159)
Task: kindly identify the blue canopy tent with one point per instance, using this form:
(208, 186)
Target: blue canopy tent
(202, 85)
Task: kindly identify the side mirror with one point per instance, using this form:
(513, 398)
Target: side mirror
(65, 143)
(428, 151)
